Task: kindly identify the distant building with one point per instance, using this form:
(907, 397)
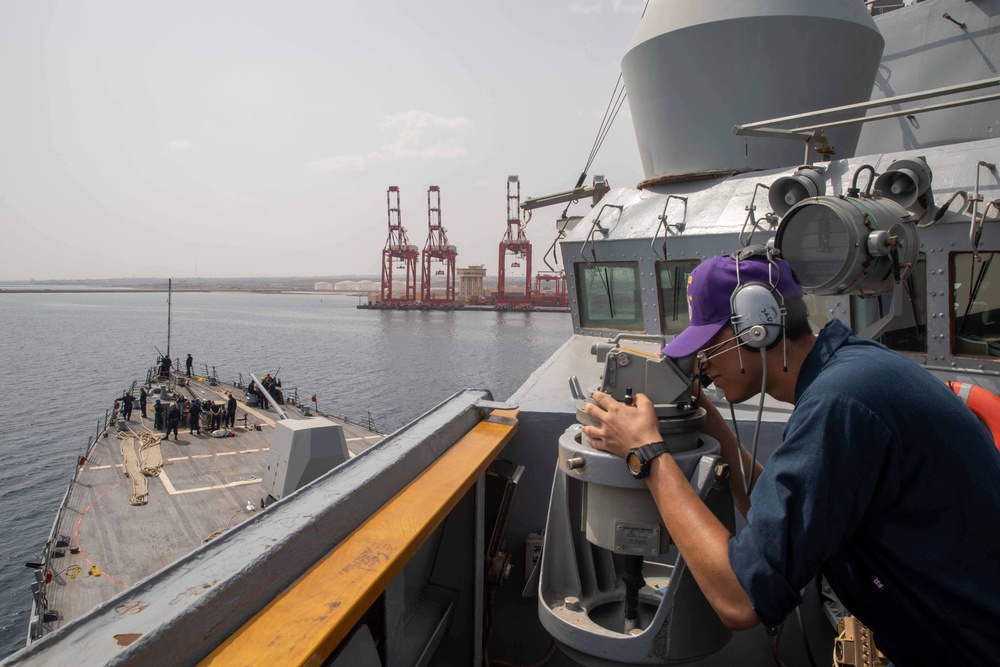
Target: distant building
(470, 282)
(368, 286)
(346, 286)
(323, 287)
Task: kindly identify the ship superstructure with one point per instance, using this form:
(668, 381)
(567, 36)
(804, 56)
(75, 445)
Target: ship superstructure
(462, 539)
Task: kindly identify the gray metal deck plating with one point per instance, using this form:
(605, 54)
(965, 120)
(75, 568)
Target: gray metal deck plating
(103, 544)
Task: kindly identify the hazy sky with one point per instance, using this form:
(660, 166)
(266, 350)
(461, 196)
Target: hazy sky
(258, 138)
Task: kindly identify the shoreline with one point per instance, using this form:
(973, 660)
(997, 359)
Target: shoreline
(244, 290)
(152, 290)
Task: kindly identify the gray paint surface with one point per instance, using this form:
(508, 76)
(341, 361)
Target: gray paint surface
(689, 62)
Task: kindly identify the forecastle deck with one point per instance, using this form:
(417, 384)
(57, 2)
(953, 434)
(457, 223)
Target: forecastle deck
(138, 502)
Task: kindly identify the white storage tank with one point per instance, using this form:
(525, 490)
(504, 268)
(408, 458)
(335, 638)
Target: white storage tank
(696, 68)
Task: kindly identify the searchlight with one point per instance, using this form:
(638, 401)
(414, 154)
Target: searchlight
(848, 245)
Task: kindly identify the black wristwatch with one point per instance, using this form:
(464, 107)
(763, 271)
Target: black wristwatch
(639, 458)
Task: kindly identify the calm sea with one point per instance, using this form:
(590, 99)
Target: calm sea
(65, 357)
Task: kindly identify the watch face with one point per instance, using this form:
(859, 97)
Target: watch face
(634, 463)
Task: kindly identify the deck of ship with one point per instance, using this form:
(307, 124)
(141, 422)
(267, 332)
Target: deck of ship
(102, 543)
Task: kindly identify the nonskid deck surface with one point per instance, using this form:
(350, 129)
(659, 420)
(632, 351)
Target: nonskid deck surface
(206, 486)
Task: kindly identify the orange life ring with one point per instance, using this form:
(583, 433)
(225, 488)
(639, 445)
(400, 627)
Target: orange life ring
(983, 403)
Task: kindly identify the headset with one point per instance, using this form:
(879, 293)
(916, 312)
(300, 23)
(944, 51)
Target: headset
(758, 320)
(758, 309)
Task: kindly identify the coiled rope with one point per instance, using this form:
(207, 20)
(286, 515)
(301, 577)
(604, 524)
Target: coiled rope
(148, 463)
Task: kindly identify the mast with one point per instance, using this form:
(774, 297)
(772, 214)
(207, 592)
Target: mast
(170, 285)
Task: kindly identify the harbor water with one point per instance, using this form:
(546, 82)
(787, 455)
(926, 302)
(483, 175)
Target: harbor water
(67, 356)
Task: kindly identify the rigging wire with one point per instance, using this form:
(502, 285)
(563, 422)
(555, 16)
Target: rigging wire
(618, 97)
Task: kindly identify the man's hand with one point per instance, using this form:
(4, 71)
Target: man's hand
(622, 426)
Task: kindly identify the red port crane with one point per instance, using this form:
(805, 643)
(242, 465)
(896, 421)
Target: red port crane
(438, 261)
(550, 289)
(398, 253)
(515, 250)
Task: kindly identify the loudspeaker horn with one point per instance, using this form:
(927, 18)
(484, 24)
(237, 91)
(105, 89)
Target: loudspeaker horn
(788, 191)
(904, 181)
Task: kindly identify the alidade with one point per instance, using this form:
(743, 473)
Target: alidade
(611, 588)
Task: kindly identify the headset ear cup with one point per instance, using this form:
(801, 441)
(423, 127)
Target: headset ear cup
(758, 318)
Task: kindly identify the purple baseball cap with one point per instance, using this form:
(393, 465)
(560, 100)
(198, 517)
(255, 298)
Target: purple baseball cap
(710, 287)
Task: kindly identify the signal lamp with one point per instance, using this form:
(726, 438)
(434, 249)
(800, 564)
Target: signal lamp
(843, 245)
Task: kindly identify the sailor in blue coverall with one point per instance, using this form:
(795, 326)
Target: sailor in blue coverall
(884, 482)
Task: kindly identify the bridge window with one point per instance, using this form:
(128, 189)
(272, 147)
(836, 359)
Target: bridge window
(907, 333)
(672, 279)
(975, 300)
(609, 296)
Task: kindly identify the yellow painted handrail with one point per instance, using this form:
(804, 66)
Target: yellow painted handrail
(306, 622)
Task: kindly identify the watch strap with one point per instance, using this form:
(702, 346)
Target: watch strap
(652, 450)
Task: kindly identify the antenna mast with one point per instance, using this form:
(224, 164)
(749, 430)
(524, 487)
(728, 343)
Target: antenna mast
(170, 290)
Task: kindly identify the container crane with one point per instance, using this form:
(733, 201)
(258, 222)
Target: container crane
(550, 289)
(438, 261)
(398, 253)
(515, 249)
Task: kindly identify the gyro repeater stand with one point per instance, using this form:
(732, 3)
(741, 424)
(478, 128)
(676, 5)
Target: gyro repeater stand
(612, 590)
